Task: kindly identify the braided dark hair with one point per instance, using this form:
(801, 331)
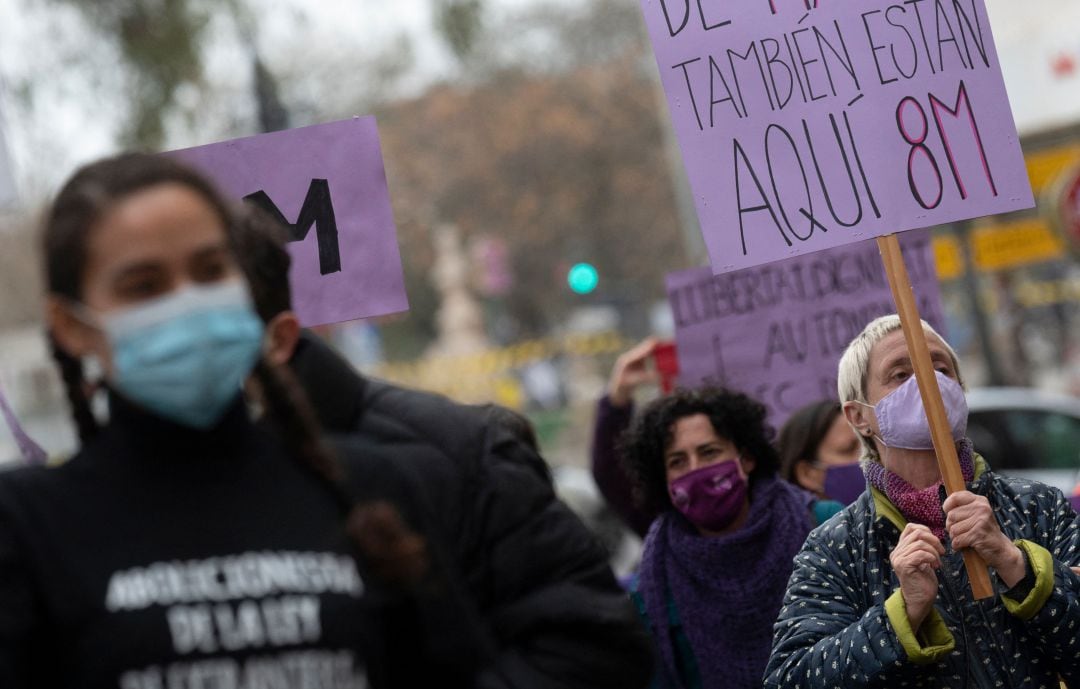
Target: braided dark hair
(395, 552)
(377, 529)
(734, 416)
(71, 375)
(262, 249)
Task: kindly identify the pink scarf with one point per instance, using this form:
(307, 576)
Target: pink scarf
(920, 506)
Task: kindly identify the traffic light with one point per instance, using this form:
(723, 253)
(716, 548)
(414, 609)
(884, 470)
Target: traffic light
(583, 278)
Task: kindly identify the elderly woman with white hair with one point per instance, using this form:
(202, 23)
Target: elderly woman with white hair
(880, 597)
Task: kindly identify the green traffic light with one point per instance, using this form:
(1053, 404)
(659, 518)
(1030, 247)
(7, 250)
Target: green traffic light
(583, 278)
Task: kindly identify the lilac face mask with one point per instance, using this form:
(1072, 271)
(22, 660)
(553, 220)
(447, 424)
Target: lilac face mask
(902, 419)
(712, 496)
(845, 482)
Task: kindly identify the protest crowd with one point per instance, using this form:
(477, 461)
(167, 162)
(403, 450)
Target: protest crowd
(246, 509)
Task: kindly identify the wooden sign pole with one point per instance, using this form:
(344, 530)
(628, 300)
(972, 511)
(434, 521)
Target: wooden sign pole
(944, 446)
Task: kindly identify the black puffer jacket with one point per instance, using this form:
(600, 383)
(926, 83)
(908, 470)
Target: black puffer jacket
(537, 577)
(843, 622)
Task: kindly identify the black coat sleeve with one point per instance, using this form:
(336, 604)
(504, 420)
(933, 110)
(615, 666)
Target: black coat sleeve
(433, 633)
(21, 616)
(607, 469)
(553, 604)
(537, 577)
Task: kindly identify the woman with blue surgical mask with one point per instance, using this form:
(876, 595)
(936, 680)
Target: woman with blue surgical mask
(184, 545)
(880, 595)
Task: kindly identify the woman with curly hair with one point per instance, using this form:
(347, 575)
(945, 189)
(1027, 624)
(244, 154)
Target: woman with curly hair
(718, 557)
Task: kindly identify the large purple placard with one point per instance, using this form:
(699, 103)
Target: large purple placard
(809, 124)
(777, 331)
(328, 185)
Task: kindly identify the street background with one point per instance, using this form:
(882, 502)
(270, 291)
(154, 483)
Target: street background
(522, 138)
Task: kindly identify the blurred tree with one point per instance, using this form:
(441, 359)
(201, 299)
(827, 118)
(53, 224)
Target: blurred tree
(551, 37)
(555, 144)
(273, 116)
(161, 43)
(460, 23)
(562, 157)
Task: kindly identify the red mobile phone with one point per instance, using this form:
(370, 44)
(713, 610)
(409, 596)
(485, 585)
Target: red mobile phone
(666, 357)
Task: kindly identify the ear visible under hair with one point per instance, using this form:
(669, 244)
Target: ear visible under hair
(853, 413)
(71, 375)
(748, 463)
(283, 332)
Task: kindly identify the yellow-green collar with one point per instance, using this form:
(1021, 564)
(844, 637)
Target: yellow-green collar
(883, 507)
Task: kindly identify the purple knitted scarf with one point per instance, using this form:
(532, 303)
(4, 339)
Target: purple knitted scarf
(919, 506)
(727, 589)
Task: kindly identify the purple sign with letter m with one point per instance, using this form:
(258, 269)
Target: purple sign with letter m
(326, 184)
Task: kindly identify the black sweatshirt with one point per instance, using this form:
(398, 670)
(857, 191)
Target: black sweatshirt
(533, 575)
(166, 558)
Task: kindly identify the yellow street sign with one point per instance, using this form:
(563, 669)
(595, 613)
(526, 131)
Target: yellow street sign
(947, 258)
(1043, 167)
(999, 246)
(1002, 246)
(1012, 245)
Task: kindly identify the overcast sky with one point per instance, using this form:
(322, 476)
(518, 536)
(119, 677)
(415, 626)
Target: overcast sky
(79, 91)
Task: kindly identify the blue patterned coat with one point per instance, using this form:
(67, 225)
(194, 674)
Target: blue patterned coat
(843, 623)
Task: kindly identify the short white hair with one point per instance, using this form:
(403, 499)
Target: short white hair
(854, 369)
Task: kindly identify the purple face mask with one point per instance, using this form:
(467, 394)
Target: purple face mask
(902, 419)
(845, 482)
(712, 496)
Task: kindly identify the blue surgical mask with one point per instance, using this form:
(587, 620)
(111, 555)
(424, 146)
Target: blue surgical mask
(184, 356)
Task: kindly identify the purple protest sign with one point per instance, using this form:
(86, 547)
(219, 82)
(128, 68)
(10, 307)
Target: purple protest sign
(328, 185)
(808, 124)
(31, 452)
(777, 331)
